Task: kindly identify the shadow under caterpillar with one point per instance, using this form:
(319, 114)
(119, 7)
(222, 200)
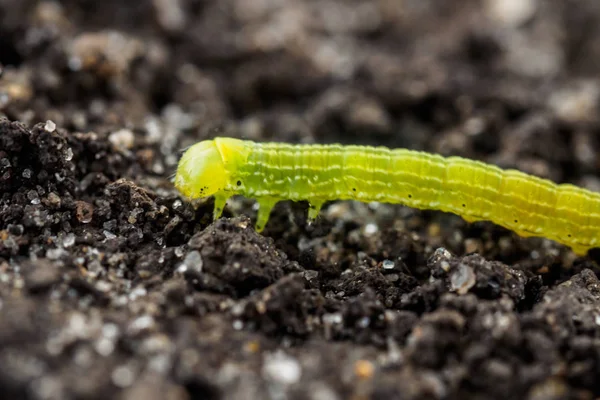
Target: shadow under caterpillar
(270, 172)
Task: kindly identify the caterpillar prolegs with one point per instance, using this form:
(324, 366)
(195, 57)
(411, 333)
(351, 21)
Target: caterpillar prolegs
(270, 172)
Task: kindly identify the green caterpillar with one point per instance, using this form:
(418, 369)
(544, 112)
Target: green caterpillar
(270, 172)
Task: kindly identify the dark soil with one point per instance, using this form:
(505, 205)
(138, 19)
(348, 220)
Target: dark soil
(112, 286)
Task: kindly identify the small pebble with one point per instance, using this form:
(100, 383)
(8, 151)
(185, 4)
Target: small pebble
(53, 200)
(50, 126)
(191, 262)
(123, 376)
(69, 240)
(371, 229)
(511, 12)
(311, 274)
(473, 246)
(84, 212)
(281, 368)
(462, 279)
(364, 369)
(122, 139)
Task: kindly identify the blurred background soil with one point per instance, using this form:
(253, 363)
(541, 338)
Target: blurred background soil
(112, 286)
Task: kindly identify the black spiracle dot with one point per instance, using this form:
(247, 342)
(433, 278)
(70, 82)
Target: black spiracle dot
(569, 235)
(239, 183)
(464, 205)
(410, 196)
(354, 189)
(516, 221)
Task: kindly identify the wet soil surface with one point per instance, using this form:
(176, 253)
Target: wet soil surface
(113, 286)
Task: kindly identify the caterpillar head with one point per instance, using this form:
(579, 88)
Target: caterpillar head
(205, 168)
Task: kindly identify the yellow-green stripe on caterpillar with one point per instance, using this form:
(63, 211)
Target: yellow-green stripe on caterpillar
(270, 172)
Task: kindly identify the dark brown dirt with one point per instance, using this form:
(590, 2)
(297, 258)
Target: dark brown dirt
(112, 286)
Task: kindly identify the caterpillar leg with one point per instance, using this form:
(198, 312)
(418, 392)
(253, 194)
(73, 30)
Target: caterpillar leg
(219, 206)
(313, 210)
(265, 205)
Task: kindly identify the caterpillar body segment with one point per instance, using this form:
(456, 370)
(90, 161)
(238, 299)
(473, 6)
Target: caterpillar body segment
(270, 172)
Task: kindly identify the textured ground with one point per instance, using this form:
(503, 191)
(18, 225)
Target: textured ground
(112, 286)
